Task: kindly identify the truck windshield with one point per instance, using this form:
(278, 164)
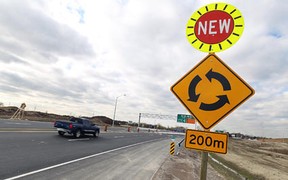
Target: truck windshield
(76, 120)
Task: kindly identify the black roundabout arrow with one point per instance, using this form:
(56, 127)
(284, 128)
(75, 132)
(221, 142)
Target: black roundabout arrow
(192, 87)
(211, 107)
(222, 79)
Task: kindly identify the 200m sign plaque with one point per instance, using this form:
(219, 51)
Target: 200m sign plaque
(206, 141)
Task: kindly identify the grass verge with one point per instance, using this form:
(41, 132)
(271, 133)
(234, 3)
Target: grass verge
(229, 174)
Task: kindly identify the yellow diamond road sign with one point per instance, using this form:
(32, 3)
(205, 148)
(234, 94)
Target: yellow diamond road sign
(211, 90)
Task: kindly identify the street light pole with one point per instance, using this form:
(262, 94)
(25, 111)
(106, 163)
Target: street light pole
(116, 108)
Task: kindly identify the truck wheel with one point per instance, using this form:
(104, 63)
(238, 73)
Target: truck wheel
(77, 134)
(61, 133)
(96, 134)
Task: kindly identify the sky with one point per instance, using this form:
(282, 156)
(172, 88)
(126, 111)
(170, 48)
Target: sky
(77, 57)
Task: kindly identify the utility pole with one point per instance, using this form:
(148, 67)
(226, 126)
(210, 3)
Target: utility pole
(116, 108)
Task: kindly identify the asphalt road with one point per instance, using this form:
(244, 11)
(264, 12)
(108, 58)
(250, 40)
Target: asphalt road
(7, 124)
(42, 154)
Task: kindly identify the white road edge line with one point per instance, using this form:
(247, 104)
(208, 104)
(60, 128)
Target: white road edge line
(23, 131)
(83, 139)
(118, 137)
(76, 160)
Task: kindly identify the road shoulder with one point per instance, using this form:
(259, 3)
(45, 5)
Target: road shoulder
(185, 166)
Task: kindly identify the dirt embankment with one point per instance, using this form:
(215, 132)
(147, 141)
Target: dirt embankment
(258, 160)
(9, 111)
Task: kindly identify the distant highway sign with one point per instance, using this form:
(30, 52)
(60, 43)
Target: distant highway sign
(184, 118)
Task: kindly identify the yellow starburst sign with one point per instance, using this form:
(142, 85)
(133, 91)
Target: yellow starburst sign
(215, 27)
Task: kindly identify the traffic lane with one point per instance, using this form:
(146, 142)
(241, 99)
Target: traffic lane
(136, 162)
(22, 125)
(23, 152)
(8, 123)
(45, 149)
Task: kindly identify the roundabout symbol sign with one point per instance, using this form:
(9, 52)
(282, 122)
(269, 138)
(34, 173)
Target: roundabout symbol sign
(215, 27)
(223, 99)
(211, 91)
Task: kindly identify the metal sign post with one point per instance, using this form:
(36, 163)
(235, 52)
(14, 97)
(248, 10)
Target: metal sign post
(204, 162)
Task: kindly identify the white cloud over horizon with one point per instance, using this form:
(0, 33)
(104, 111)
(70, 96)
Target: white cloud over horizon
(76, 57)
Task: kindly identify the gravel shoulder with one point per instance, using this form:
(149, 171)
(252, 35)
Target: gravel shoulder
(184, 166)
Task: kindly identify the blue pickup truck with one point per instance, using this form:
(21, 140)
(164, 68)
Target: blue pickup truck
(77, 127)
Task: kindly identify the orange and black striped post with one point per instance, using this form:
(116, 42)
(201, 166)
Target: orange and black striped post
(172, 148)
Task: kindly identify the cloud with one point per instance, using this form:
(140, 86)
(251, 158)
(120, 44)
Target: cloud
(10, 58)
(39, 36)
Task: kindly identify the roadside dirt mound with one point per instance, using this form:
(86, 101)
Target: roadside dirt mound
(7, 113)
